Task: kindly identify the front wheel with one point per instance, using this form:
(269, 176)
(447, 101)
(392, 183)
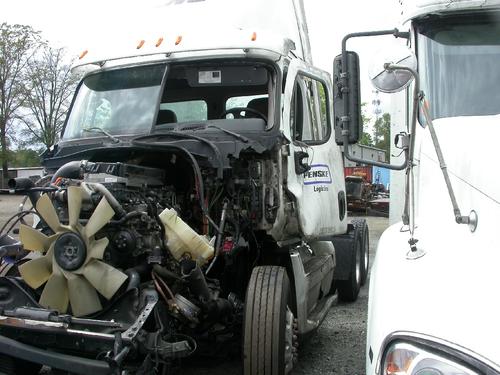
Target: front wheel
(269, 346)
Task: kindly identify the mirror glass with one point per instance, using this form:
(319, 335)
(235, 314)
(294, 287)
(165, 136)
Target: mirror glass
(396, 80)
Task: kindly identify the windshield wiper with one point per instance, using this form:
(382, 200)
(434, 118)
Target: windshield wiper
(97, 129)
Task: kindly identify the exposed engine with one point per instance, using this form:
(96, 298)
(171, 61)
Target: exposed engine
(109, 229)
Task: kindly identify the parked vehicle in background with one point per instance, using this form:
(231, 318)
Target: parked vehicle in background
(433, 286)
(197, 204)
(366, 172)
(358, 193)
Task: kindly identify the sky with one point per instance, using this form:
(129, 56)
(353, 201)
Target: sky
(64, 24)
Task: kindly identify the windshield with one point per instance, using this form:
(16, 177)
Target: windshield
(120, 102)
(458, 65)
(353, 188)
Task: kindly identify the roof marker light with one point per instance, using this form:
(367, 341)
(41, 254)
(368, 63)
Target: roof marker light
(82, 55)
(141, 43)
(159, 41)
(178, 40)
(254, 36)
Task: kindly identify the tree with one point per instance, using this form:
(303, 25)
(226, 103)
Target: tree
(51, 85)
(17, 45)
(366, 138)
(382, 134)
(25, 157)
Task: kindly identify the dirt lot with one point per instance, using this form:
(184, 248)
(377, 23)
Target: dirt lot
(337, 348)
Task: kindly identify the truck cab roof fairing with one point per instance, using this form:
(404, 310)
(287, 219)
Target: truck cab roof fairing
(186, 25)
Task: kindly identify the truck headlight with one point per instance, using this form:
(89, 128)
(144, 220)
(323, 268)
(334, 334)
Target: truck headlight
(406, 359)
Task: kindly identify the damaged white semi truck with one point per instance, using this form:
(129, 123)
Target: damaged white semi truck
(196, 202)
(433, 305)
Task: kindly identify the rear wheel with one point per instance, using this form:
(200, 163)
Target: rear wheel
(349, 289)
(268, 337)
(361, 226)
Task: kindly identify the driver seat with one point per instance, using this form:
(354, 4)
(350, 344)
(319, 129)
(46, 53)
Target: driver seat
(260, 104)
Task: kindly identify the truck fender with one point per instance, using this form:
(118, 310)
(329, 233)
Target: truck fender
(312, 268)
(344, 248)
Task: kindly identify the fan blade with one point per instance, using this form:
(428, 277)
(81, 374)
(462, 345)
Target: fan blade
(48, 212)
(97, 249)
(33, 239)
(55, 293)
(36, 271)
(82, 296)
(101, 216)
(74, 204)
(104, 278)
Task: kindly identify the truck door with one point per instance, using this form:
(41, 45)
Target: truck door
(315, 166)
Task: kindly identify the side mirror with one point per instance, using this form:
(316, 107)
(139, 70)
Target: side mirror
(347, 98)
(393, 80)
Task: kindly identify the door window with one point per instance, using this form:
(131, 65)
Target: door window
(310, 108)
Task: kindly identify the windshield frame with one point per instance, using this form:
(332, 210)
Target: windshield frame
(275, 82)
(439, 22)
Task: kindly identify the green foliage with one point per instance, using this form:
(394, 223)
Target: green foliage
(382, 134)
(366, 138)
(24, 158)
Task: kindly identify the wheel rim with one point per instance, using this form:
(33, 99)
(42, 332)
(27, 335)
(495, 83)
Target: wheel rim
(358, 266)
(366, 254)
(289, 341)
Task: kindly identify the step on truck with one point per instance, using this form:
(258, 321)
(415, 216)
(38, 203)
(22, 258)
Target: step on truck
(433, 306)
(194, 207)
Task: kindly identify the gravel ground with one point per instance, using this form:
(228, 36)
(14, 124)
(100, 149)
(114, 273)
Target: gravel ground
(338, 347)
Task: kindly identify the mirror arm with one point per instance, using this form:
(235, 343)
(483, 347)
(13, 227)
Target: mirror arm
(416, 98)
(344, 83)
(344, 76)
(350, 157)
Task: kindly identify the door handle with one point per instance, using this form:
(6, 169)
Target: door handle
(301, 166)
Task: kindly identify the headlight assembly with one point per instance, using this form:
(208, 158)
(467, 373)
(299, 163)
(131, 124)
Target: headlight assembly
(406, 359)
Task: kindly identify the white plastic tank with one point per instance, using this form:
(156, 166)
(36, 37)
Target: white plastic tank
(183, 241)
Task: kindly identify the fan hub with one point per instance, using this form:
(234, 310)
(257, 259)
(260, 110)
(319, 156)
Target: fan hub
(70, 251)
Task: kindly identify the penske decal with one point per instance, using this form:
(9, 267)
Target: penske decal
(319, 174)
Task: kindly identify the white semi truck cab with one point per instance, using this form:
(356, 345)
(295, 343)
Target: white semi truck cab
(432, 305)
(197, 203)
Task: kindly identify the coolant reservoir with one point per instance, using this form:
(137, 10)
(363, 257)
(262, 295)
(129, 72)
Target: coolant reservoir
(182, 240)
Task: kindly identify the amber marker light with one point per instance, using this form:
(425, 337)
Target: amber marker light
(254, 36)
(141, 43)
(159, 41)
(83, 54)
(178, 40)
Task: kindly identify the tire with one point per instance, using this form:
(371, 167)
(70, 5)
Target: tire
(268, 337)
(361, 226)
(14, 366)
(349, 289)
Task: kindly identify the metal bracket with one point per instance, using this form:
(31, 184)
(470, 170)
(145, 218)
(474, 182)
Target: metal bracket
(133, 330)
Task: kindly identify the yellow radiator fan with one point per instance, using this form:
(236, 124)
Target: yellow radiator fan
(70, 265)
